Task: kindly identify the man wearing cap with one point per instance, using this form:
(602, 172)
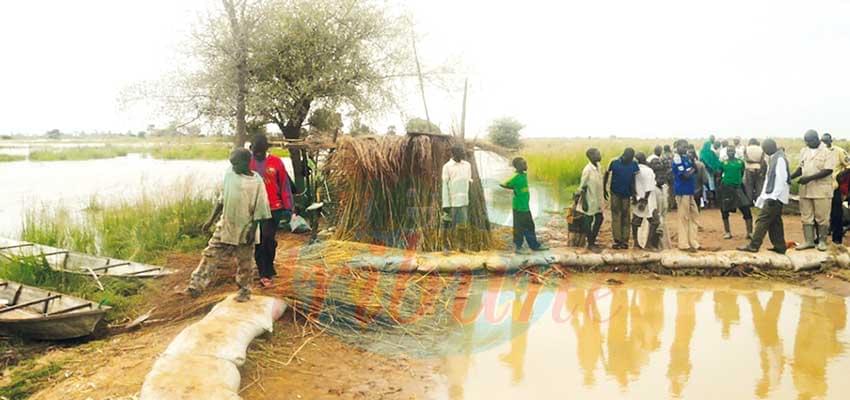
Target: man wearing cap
(242, 205)
(815, 173)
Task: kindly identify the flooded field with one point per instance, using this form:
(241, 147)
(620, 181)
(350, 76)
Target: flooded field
(677, 338)
(26, 184)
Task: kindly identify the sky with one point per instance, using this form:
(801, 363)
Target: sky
(650, 68)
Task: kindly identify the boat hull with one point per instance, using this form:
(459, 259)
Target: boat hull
(58, 327)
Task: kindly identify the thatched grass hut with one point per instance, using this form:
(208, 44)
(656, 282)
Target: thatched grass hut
(388, 192)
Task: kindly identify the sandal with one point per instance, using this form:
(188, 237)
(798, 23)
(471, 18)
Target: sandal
(266, 282)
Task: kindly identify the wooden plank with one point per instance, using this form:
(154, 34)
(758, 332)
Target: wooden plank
(55, 253)
(45, 300)
(16, 246)
(17, 295)
(70, 309)
(105, 268)
(145, 270)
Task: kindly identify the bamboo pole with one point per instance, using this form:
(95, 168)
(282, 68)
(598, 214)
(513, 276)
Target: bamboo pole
(421, 83)
(463, 112)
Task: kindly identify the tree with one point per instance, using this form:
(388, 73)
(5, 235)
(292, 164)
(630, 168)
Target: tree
(241, 23)
(54, 134)
(324, 52)
(358, 128)
(325, 120)
(505, 132)
(420, 125)
(391, 130)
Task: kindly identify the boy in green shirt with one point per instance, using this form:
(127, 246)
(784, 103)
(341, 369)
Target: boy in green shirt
(523, 222)
(732, 194)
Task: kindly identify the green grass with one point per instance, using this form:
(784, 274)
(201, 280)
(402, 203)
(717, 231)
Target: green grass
(141, 230)
(81, 153)
(9, 158)
(559, 162)
(28, 379)
(191, 152)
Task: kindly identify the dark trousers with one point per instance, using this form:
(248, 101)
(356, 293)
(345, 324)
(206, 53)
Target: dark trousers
(836, 218)
(745, 211)
(264, 252)
(524, 230)
(594, 229)
(770, 222)
(621, 214)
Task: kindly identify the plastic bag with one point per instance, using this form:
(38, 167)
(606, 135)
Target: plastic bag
(298, 224)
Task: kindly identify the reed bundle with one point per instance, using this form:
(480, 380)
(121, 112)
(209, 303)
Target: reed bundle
(388, 192)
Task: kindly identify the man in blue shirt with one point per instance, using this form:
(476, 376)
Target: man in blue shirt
(622, 172)
(684, 187)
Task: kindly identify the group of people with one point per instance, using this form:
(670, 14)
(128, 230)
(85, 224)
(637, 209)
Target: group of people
(640, 190)
(256, 196)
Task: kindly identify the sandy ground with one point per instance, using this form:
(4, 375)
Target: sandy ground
(710, 235)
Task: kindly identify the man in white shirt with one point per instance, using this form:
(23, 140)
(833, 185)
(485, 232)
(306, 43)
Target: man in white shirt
(645, 198)
(456, 176)
(774, 196)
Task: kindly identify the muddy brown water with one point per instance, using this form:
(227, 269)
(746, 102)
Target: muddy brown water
(648, 339)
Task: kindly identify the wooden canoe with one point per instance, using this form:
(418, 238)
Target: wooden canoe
(79, 263)
(35, 313)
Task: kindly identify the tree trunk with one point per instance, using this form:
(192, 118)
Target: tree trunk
(241, 56)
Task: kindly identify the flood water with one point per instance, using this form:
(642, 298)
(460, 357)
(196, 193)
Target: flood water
(27, 184)
(649, 339)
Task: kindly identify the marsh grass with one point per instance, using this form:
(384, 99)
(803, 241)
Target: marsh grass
(81, 153)
(10, 158)
(559, 162)
(28, 379)
(191, 152)
(143, 230)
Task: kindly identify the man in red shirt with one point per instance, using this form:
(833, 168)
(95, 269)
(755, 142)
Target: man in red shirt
(279, 191)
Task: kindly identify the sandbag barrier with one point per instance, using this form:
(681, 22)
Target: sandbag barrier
(567, 257)
(202, 361)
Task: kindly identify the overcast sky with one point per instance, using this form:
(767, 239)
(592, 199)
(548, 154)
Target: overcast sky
(564, 68)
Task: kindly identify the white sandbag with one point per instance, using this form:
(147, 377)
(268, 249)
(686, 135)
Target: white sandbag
(202, 361)
(189, 377)
(215, 339)
(262, 310)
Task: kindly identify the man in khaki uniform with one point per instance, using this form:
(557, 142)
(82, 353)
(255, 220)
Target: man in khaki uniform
(836, 215)
(815, 172)
(243, 204)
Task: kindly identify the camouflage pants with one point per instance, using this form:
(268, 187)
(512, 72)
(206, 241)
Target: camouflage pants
(217, 255)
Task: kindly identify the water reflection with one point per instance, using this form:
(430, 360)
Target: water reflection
(650, 341)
